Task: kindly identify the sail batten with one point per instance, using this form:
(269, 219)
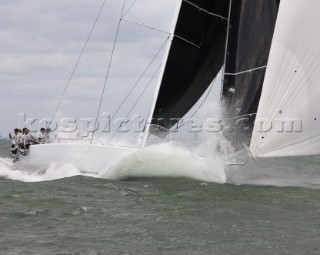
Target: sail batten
(247, 71)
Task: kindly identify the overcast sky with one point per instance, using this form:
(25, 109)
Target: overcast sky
(40, 42)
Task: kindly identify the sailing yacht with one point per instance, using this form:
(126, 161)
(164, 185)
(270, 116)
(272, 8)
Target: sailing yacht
(268, 52)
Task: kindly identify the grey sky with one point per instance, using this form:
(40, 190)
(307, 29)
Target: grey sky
(40, 42)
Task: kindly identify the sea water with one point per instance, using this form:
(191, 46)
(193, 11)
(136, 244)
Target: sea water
(156, 202)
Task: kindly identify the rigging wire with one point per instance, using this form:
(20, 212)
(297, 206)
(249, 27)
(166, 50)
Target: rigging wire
(254, 159)
(200, 106)
(204, 10)
(141, 94)
(183, 124)
(129, 8)
(147, 26)
(77, 63)
(174, 135)
(108, 70)
(136, 83)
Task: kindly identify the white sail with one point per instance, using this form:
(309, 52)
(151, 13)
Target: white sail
(288, 118)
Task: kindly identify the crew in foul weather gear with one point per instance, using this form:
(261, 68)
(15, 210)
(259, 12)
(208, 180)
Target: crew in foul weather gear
(47, 134)
(21, 142)
(26, 140)
(15, 140)
(41, 136)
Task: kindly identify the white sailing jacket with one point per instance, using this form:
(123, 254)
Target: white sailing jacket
(16, 138)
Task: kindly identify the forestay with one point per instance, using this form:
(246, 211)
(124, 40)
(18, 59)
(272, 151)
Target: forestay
(288, 118)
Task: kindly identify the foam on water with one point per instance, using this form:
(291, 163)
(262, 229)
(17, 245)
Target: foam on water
(167, 160)
(170, 160)
(163, 160)
(19, 172)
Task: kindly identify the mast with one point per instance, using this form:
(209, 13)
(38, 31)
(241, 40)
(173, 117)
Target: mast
(144, 135)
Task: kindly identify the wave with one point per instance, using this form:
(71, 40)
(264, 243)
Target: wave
(167, 160)
(164, 160)
(19, 172)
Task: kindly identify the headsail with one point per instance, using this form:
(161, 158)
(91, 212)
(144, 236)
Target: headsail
(195, 58)
(289, 106)
(251, 30)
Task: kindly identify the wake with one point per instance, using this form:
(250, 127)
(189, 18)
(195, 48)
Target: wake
(19, 172)
(168, 160)
(164, 160)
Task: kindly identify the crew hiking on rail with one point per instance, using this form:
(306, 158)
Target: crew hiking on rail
(22, 139)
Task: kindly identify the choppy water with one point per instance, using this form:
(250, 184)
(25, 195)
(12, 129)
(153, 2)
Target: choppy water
(86, 215)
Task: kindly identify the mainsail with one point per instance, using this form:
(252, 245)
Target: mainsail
(195, 58)
(288, 119)
(250, 34)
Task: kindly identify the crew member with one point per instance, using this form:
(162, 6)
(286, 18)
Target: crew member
(26, 140)
(47, 134)
(41, 136)
(15, 140)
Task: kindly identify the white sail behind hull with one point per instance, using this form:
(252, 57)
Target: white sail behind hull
(288, 118)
